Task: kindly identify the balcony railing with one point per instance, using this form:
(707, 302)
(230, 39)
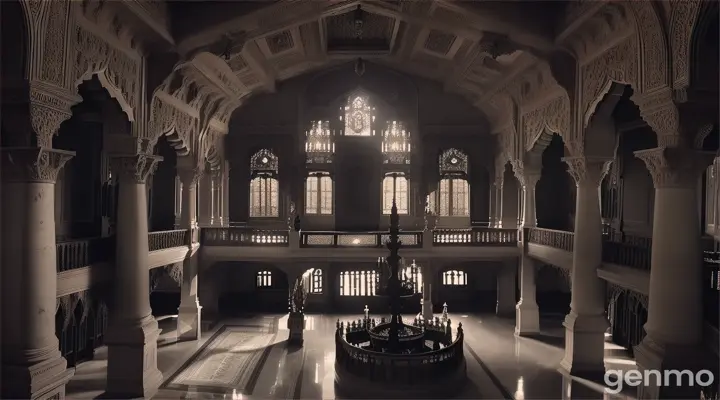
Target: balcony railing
(244, 237)
(168, 239)
(626, 254)
(81, 253)
(561, 240)
(357, 239)
(475, 237)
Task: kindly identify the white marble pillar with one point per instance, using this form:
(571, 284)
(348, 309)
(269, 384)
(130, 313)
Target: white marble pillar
(32, 366)
(133, 332)
(675, 322)
(428, 276)
(506, 281)
(189, 313)
(527, 316)
(499, 211)
(216, 194)
(204, 191)
(586, 323)
(226, 194)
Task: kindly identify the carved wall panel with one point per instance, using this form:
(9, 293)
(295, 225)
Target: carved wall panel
(655, 72)
(618, 64)
(682, 23)
(553, 115)
(54, 50)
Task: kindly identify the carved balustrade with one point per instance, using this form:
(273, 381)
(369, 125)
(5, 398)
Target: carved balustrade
(549, 237)
(244, 236)
(409, 239)
(80, 253)
(168, 239)
(626, 254)
(475, 237)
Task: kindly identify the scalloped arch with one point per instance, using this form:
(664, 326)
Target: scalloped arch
(111, 88)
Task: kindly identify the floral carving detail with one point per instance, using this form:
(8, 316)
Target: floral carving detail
(553, 115)
(47, 112)
(617, 64)
(94, 54)
(33, 164)
(682, 23)
(654, 54)
(54, 52)
(134, 168)
(588, 170)
(675, 166)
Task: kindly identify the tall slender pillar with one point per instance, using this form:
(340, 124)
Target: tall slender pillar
(132, 335)
(178, 201)
(32, 366)
(506, 281)
(675, 322)
(216, 182)
(189, 313)
(226, 194)
(499, 189)
(586, 323)
(527, 315)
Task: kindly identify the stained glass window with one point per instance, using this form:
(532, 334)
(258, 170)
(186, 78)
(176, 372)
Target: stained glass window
(453, 195)
(319, 143)
(358, 116)
(264, 186)
(316, 282)
(454, 278)
(358, 283)
(395, 186)
(264, 279)
(319, 194)
(396, 143)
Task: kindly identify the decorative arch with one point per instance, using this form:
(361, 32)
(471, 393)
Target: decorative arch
(551, 118)
(684, 21)
(651, 35)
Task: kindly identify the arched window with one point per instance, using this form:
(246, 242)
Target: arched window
(396, 147)
(395, 186)
(264, 187)
(412, 276)
(453, 195)
(358, 116)
(454, 278)
(319, 194)
(316, 284)
(264, 279)
(358, 283)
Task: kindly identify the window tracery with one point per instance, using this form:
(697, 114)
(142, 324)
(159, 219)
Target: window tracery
(316, 286)
(264, 279)
(319, 143)
(358, 116)
(454, 278)
(358, 283)
(452, 199)
(264, 185)
(396, 146)
(319, 194)
(411, 277)
(395, 186)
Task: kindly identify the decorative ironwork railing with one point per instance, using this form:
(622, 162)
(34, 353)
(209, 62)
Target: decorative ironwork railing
(168, 239)
(475, 237)
(80, 253)
(244, 236)
(409, 239)
(549, 237)
(626, 254)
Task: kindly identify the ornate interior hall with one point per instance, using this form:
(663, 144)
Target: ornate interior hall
(359, 198)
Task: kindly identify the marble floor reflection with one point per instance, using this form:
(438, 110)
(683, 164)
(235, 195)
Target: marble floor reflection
(499, 365)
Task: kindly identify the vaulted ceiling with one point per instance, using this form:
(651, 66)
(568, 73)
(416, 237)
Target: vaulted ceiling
(471, 47)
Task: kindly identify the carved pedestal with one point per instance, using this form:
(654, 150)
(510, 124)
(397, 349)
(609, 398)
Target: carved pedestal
(296, 325)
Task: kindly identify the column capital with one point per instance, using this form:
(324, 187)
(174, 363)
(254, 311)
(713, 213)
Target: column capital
(33, 164)
(134, 167)
(675, 166)
(190, 176)
(527, 175)
(588, 170)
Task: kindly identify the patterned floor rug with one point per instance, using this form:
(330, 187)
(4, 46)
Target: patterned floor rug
(230, 360)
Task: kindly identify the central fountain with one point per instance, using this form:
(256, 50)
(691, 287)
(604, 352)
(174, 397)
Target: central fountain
(388, 358)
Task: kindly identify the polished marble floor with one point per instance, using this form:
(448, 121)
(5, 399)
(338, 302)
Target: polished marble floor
(499, 365)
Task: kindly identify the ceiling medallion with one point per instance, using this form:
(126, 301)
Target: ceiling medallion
(360, 66)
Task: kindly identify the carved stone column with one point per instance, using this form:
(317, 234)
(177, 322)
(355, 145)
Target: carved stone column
(178, 201)
(527, 316)
(133, 332)
(32, 366)
(216, 193)
(498, 201)
(189, 313)
(586, 323)
(675, 323)
(226, 194)
(506, 279)
(204, 200)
